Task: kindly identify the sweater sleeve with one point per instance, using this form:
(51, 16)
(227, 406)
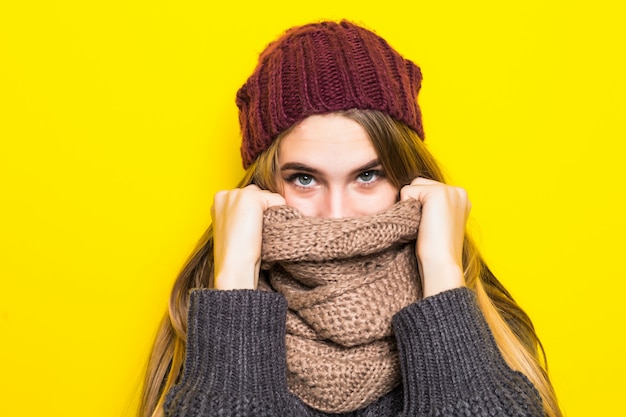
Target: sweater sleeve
(451, 365)
(235, 356)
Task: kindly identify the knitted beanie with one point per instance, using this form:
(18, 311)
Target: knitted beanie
(322, 68)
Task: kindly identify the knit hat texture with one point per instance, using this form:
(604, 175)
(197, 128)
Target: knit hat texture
(344, 279)
(321, 68)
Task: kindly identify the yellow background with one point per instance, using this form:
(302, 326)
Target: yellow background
(118, 123)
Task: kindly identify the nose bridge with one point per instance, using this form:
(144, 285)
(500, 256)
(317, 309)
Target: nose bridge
(338, 202)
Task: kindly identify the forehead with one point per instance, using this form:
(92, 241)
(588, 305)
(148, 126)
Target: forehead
(325, 138)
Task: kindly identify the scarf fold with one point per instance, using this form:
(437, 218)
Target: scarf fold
(343, 279)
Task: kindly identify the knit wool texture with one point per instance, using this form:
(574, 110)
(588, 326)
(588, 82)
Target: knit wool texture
(344, 279)
(322, 68)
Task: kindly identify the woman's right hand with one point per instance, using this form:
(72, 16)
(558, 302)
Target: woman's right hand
(237, 230)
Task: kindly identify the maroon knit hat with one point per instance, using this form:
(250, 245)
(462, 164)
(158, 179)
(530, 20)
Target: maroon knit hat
(321, 68)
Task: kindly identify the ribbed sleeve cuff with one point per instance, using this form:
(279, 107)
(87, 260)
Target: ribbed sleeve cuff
(449, 356)
(236, 343)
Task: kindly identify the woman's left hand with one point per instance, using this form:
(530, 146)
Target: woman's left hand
(439, 247)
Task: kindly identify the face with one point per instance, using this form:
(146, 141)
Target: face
(328, 168)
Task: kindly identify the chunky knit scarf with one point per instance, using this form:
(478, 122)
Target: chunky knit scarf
(343, 279)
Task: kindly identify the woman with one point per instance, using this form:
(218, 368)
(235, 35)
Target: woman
(338, 278)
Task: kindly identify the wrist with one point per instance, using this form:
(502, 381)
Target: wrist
(242, 277)
(437, 278)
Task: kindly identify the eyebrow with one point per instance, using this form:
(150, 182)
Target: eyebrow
(298, 166)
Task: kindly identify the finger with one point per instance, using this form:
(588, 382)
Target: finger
(418, 190)
(269, 199)
(425, 181)
(274, 199)
(418, 187)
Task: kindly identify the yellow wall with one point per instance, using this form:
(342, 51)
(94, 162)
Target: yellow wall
(118, 123)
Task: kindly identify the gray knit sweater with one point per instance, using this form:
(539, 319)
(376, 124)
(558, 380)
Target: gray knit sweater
(235, 362)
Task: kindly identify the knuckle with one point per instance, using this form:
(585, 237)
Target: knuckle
(220, 195)
(405, 192)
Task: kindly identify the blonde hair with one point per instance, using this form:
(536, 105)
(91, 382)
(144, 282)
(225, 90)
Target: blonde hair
(404, 157)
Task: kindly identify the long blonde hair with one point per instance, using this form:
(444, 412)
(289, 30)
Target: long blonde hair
(403, 157)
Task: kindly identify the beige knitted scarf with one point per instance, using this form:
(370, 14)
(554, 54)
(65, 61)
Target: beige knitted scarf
(343, 279)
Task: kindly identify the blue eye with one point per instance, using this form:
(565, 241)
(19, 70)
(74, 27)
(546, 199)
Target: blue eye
(303, 179)
(369, 176)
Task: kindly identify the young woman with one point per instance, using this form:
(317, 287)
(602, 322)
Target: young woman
(338, 278)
